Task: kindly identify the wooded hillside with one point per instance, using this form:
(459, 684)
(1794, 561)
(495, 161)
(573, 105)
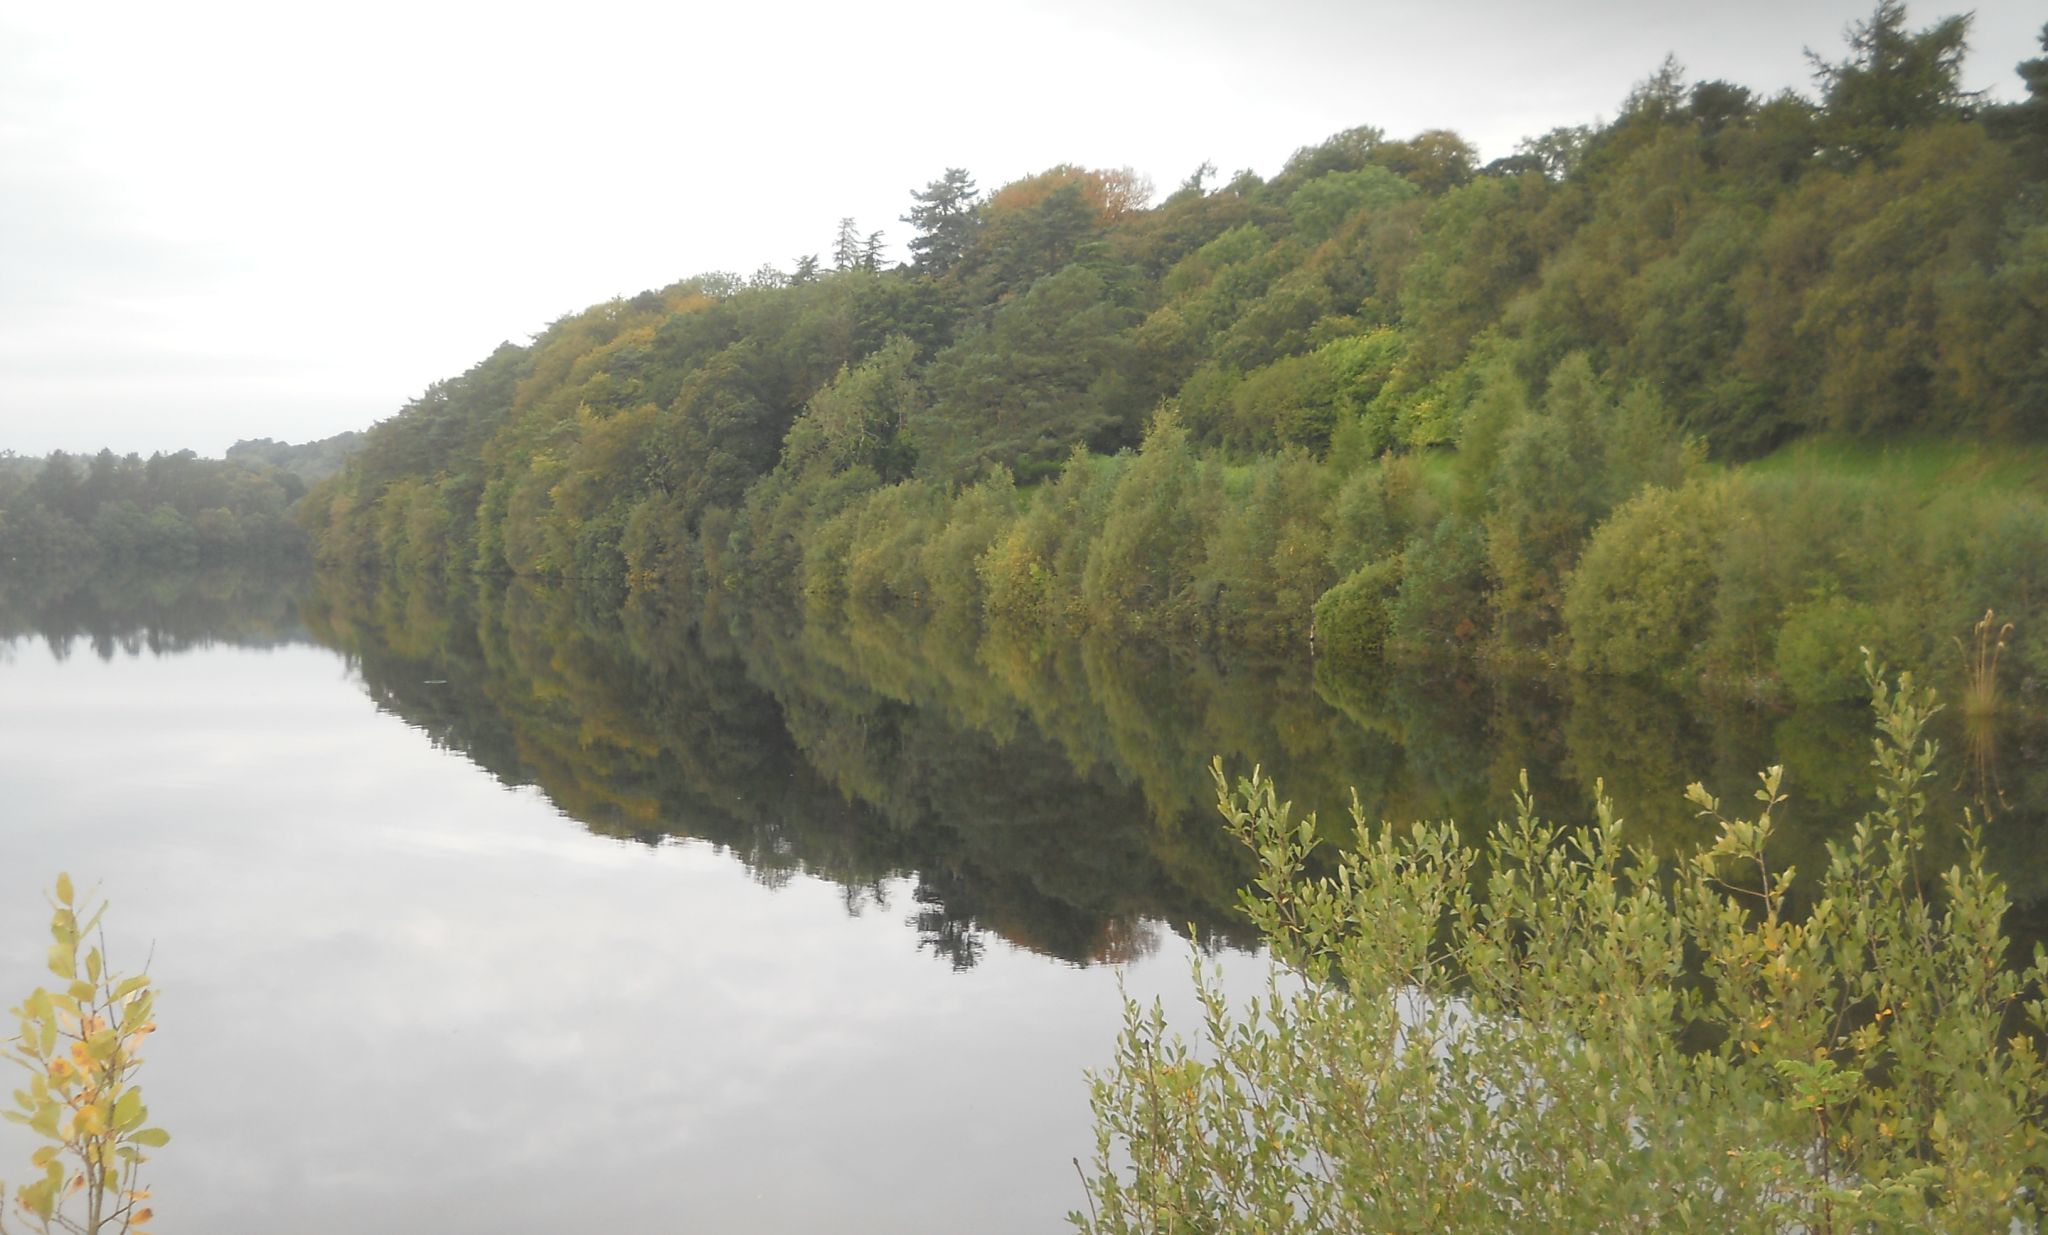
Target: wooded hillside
(1408, 401)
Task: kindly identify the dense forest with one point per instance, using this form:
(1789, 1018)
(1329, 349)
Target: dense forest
(68, 516)
(1714, 392)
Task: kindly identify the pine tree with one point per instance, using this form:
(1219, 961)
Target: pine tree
(846, 246)
(945, 219)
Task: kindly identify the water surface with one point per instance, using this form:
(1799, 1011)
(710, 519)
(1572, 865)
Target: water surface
(403, 995)
(510, 909)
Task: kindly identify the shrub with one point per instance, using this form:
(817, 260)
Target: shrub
(1641, 596)
(1813, 663)
(1549, 1031)
(1354, 617)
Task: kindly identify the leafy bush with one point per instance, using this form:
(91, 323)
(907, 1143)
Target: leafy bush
(1813, 663)
(1641, 596)
(1550, 1031)
(1354, 617)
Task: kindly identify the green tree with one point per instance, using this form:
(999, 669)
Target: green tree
(847, 247)
(1042, 377)
(945, 220)
(1641, 598)
(1893, 81)
(1550, 482)
(1141, 570)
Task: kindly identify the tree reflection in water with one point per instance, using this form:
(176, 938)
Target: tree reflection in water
(1052, 793)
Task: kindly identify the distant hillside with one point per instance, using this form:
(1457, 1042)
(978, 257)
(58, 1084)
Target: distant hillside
(311, 462)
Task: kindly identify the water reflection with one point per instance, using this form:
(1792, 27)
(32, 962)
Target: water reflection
(784, 752)
(401, 997)
(130, 612)
(1056, 793)
(838, 886)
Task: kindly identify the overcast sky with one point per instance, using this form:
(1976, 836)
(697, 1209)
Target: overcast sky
(224, 219)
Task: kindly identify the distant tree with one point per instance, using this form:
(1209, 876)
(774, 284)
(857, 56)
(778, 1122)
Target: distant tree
(945, 220)
(1320, 206)
(806, 270)
(1557, 152)
(1433, 160)
(1717, 104)
(1658, 97)
(1032, 229)
(2027, 121)
(1341, 152)
(846, 246)
(871, 252)
(2035, 73)
(1893, 80)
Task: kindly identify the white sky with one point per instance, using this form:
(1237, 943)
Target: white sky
(224, 219)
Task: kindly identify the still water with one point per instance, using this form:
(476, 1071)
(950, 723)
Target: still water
(400, 994)
(514, 911)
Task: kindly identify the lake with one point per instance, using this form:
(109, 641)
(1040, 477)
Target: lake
(512, 910)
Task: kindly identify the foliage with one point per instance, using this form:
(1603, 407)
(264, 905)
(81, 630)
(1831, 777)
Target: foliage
(1353, 619)
(1812, 658)
(1549, 1030)
(68, 512)
(1639, 599)
(311, 462)
(1382, 350)
(1141, 569)
(81, 1049)
(1893, 79)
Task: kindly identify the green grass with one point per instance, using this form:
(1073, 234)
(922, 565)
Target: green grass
(1923, 465)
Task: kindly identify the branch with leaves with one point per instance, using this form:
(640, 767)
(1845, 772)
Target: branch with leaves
(81, 1046)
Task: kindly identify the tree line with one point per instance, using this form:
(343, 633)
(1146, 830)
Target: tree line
(66, 516)
(1689, 394)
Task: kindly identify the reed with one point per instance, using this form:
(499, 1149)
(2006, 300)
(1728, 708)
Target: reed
(1980, 657)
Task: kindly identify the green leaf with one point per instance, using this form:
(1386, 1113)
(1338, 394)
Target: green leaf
(129, 1111)
(64, 889)
(154, 1138)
